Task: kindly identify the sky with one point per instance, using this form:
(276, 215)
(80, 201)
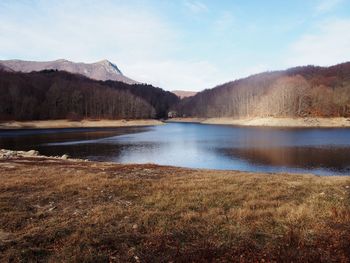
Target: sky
(179, 44)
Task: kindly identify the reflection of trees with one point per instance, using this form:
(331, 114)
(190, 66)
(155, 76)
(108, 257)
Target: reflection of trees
(336, 158)
(39, 141)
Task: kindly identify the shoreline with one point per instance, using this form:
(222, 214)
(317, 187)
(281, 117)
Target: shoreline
(109, 212)
(271, 122)
(246, 122)
(57, 124)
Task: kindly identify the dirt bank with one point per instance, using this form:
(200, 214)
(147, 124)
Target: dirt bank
(271, 122)
(55, 210)
(76, 124)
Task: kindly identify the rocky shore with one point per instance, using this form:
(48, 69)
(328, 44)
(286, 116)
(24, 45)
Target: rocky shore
(9, 154)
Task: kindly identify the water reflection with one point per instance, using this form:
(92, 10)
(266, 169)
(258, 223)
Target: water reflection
(321, 151)
(333, 159)
(60, 139)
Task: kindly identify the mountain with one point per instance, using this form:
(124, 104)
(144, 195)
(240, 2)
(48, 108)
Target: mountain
(102, 70)
(296, 92)
(52, 94)
(4, 68)
(183, 93)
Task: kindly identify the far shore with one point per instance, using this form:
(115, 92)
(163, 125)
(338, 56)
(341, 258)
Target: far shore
(47, 124)
(271, 122)
(257, 122)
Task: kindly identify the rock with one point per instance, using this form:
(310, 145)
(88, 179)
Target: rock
(33, 153)
(7, 154)
(64, 157)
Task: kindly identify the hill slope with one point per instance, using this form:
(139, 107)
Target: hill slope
(102, 70)
(54, 94)
(297, 92)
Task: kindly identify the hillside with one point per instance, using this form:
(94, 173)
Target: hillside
(54, 94)
(4, 68)
(102, 70)
(297, 92)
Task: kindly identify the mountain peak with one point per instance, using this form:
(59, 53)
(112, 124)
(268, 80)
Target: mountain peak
(109, 66)
(104, 61)
(102, 70)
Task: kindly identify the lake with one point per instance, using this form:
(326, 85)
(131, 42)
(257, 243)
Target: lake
(310, 150)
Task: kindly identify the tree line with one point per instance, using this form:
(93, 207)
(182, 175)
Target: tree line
(298, 92)
(52, 94)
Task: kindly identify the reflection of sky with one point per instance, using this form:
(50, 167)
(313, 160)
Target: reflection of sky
(199, 146)
(214, 147)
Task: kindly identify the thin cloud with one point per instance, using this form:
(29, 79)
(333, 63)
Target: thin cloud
(85, 34)
(196, 6)
(325, 6)
(329, 45)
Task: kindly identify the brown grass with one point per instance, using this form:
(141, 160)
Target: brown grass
(75, 211)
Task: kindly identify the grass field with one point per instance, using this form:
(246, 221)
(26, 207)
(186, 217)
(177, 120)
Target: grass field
(74, 211)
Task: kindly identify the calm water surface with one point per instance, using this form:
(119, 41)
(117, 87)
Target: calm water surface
(319, 151)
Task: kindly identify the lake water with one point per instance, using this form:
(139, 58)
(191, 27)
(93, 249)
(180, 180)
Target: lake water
(311, 150)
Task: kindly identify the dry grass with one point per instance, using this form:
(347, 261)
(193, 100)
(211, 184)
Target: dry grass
(71, 211)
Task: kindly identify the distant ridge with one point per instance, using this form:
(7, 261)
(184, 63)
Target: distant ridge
(184, 93)
(102, 70)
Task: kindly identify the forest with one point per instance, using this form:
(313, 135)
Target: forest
(52, 94)
(298, 92)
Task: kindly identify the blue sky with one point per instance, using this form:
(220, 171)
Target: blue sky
(179, 44)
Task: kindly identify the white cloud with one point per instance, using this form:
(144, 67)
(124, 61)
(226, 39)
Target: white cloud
(179, 74)
(196, 6)
(87, 34)
(329, 45)
(327, 5)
